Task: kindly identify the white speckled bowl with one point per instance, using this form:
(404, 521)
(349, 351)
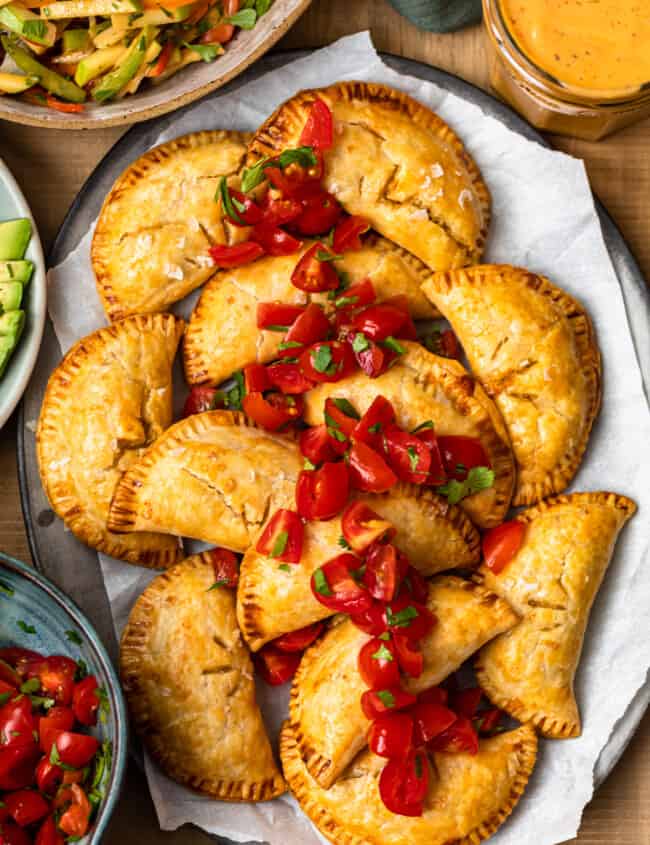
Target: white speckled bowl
(184, 87)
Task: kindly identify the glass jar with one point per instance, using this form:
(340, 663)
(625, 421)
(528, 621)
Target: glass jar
(545, 99)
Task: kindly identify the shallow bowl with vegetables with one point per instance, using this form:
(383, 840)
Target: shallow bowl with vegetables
(35, 616)
(83, 64)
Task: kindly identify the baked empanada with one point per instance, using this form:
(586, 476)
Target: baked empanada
(551, 582)
(188, 679)
(222, 335)
(423, 386)
(105, 403)
(150, 247)
(397, 164)
(325, 711)
(533, 348)
(433, 534)
(213, 477)
(469, 796)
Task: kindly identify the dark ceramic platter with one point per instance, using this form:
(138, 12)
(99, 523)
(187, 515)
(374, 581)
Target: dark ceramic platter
(74, 567)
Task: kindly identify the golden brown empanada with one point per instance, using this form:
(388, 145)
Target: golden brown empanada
(433, 534)
(150, 247)
(534, 350)
(423, 386)
(222, 335)
(397, 164)
(105, 403)
(325, 711)
(188, 679)
(469, 796)
(551, 582)
(213, 476)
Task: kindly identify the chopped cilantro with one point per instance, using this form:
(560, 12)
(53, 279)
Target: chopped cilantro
(228, 202)
(383, 653)
(360, 342)
(303, 156)
(427, 424)
(414, 458)
(401, 619)
(320, 583)
(289, 344)
(74, 637)
(276, 328)
(308, 464)
(280, 545)
(321, 359)
(346, 407)
(385, 636)
(375, 428)
(343, 543)
(343, 301)
(30, 686)
(262, 7)
(27, 629)
(323, 255)
(244, 18)
(6, 590)
(4, 698)
(478, 478)
(394, 344)
(82, 670)
(222, 582)
(386, 697)
(208, 52)
(253, 176)
(284, 567)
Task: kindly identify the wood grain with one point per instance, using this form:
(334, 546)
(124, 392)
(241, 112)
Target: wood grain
(51, 166)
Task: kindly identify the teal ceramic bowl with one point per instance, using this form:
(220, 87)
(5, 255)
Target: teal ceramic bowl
(20, 367)
(28, 601)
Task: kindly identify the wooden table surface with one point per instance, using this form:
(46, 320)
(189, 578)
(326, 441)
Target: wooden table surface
(51, 166)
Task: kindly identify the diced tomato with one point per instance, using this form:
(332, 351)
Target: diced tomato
(63, 106)
(362, 527)
(163, 60)
(295, 182)
(466, 702)
(488, 721)
(74, 821)
(26, 806)
(230, 7)
(58, 719)
(277, 211)
(317, 445)
(49, 834)
(378, 419)
(328, 361)
(380, 321)
(319, 213)
(322, 493)
(18, 658)
(199, 400)
(356, 296)
(274, 240)
(408, 617)
(256, 378)
(274, 411)
(9, 676)
(225, 256)
(315, 272)
(288, 378)
(378, 664)
(219, 34)
(416, 585)
(372, 620)
(371, 357)
(437, 474)
(56, 674)
(225, 566)
(85, 701)
(391, 735)
(283, 536)
(375, 703)
(346, 234)
(319, 128)
(430, 720)
(299, 640)
(460, 737)
(403, 784)
(409, 656)
(408, 456)
(7, 688)
(335, 587)
(434, 695)
(275, 666)
(76, 749)
(501, 544)
(385, 568)
(460, 454)
(401, 302)
(340, 415)
(246, 209)
(17, 765)
(368, 470)
(309, 327)
(48, 776)
(443, 343)
(17, 723)
(274, 314)
(11, 834)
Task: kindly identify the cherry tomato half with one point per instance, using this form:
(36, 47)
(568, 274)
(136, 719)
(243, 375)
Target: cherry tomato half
(277, 211)
(74, 821)
(18, 658)
(318, 131)
(460, 454)
(371, 357)
(380, 321)
(315, 272)
(58, 719)
(430, 720)
(48, 776)
(409, 656)
(17, 723)
(319, 213)
(277, 314)
(378, 664)
(372, 620)
(318, 446)
(282, 538)
(274, 241)
(379, 418)
(17, 766)
(375, 703)
(275, 666)
(199, 400)
(76, 749)
(391, 735)
(408, 456)
(335, 587)
(26, 806)
(256, 378)
(501, 544)
(299, 640)
(322, 493)
(405, 616)
(386, 566)
(85, 701)
(309, 327)
(460, 737)
(274, 411)
(368, 470)
(362, 527)
(346, 234)
(356, 296)
(288, 378)
(437, 474)
(236, 255)
(403, 784)
(49, 834)
(219, 34)
(328, 361)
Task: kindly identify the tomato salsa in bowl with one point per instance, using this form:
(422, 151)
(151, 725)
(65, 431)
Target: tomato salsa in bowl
(63, 724)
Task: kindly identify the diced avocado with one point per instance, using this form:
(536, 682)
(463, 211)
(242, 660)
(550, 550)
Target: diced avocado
(11, 328)
(11, 295)
(84, 8)
(15, 83)
(28, 25)
(76, 40)
(112, 83)
(14, 237)
(51, 81)
(97, 63)
(16, 271)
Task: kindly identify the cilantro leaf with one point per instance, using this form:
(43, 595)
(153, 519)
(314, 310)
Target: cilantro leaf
(222, 582)
(346, 407)
(208, 52)
(308, 464)
(289, 344)
(320, 583)
(253, 176)
(6, 590)
(342, 301)
(343, 543)
(414, 458)
(73, 637)
(385, 636)
(262, 7)
(321, 359)
(280, 545)
(27, 629)
(30, 686)
(401, 619)
(386, 697)
(427, 424)
(228, 202)
(394, 345)
(303, 156)
(284, 567)
(360, 342)
(383, 653)
(375, 428)
(478, 478)
(323, 255)
(244, 18)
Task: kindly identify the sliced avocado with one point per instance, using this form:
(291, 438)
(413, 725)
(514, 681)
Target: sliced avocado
(51, 81)
(11, 327)
(15, 83)
(16, 271)
(97, 63)
(161, 17)
(14, 237)
(28, 25)
(112, 83)
(76, 40)
(85, 8)
(11, 295)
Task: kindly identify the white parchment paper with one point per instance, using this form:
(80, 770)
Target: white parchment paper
(544, 219)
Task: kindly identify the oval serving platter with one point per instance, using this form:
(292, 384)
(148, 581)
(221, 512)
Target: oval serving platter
(52, 547)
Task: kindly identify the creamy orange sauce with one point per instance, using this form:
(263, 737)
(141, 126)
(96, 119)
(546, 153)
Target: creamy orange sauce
(602, 45)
